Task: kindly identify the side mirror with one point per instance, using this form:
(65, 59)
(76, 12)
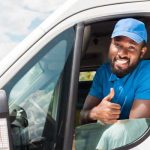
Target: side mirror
(5, 138)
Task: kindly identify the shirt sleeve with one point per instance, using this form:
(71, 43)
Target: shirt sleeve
(143, 87)
(96, 88)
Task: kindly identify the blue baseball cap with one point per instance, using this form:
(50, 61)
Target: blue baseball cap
(131, 28)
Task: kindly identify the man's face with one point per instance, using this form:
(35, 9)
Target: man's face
(124, 55)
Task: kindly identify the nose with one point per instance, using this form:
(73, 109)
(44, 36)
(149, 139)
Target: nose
(122, 53)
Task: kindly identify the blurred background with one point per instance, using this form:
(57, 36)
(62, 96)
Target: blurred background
(19, 17)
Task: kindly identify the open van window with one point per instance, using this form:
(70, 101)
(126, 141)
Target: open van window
(95, 135)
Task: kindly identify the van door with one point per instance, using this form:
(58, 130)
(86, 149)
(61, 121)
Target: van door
(38, 96)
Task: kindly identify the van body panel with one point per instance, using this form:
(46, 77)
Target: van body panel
(71, 8)
(71, 15)
(40, 36)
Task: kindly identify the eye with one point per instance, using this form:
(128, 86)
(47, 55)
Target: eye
(118, 46)
(131, 48)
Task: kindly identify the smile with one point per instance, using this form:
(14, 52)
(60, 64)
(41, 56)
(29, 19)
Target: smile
(121, 61)
(122, 64)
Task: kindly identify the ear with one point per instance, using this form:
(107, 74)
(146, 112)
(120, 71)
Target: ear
(143, 51)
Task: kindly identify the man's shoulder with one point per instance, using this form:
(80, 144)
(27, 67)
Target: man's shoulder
(143, 69)
(144, 65)
(145, 61)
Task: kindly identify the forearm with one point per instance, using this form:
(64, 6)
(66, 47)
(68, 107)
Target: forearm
(139, 114)
(85, 114)
(85, 117)
(140, 109)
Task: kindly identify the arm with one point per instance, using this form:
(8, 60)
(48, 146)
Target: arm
(95, 109)
(140, 109)
(90, 102)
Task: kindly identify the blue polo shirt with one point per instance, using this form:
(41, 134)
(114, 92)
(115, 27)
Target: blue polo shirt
(135, 85)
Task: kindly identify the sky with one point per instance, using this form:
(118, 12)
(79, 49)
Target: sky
(19, 17)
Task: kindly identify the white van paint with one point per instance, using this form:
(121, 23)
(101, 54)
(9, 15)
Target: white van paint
(70, 14)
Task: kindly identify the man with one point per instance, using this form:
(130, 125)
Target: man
(121, 88)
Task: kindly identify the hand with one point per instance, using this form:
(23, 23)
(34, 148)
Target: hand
(107, 112)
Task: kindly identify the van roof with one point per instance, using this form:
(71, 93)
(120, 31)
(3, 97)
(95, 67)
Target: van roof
(72, 7)
(69, 8)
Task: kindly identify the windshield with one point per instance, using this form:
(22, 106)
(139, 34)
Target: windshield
(19, 18)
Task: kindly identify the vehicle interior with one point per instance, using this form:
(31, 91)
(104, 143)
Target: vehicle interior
(96, 41)
(97, 38)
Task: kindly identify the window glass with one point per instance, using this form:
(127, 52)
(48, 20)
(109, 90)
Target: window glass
(96, 136)
(34, 94)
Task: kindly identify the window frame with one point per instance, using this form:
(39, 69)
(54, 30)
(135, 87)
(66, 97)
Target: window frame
(72, 97)
(64, 77)
(146, 135)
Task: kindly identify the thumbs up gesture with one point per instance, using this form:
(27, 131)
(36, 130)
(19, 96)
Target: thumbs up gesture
(110, 95)
(106, 111)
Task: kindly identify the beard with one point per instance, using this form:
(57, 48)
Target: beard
(119, 71)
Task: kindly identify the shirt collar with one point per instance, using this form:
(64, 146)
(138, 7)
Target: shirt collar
(113, 77)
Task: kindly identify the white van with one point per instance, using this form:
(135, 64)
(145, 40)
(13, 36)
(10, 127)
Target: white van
(41, 76)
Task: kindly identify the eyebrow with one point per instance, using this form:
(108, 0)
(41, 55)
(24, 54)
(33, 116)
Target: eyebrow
(133, 42)
(119, 38)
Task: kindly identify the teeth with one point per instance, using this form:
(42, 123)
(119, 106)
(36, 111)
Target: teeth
(121, 61)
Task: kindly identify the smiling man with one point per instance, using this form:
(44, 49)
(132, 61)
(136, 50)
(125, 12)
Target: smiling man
(121, 88)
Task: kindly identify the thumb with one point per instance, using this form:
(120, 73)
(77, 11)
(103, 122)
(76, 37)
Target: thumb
(110, 95)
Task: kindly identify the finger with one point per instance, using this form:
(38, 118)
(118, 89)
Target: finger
(109, 115)
(114, 106)
(113, 116)
(110, 95)
(113, 111)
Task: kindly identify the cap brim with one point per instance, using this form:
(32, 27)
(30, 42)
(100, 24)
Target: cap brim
(130, 35)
